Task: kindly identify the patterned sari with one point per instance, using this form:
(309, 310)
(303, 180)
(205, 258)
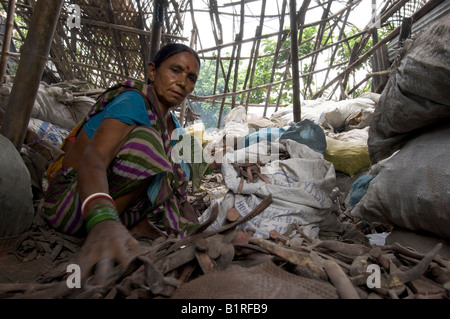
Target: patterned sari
(145, 154)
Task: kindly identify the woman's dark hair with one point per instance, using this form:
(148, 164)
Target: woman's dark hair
(171, 49)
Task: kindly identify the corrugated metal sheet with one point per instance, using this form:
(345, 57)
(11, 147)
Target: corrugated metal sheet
(427, 20)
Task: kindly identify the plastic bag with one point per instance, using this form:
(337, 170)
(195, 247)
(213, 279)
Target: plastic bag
(265, 134)
(347, 157)
(300, 188)
(16, 197)
(308, 133)
(412, 189)
(417, 93)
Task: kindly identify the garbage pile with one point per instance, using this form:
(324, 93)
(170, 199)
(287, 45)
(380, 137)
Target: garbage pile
(409, 140)
(229, 263)
(298, 163)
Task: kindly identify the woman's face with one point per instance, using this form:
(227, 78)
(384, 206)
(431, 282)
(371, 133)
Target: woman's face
(174, 79)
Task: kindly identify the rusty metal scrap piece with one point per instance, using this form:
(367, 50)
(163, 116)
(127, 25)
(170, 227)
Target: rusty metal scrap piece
(359, 265)
(376, 254)
(403, 250)
(159, 247)
(257, 170)
(343, 285)
(255, 212)
(293, 256)
(352, 250)
(241, 186)
(206, 263)
(155, 280)
(142, 273)
(221, 249)
(175, 259)
(397, 279)
(397, 248)
(25, 288)
(192, 238)
(232, 215)
(418, 270)
(202, 227)
(278, 238)
(440, 275)
(249, 172)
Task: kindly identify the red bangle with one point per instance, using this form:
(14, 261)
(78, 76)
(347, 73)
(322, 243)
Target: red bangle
(92, 197)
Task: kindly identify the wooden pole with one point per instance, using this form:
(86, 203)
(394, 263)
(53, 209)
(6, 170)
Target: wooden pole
(227, 80)
(34, 54)
(143, 40)
(240, 36)
(294, 59)
(157, 24)
(7, 39)
(317, 45)
(254, 54)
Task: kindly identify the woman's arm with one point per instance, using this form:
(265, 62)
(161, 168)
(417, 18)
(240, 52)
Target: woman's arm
(108, 242)
(98, 155)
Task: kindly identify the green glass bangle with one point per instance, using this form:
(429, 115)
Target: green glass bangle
(98, 206)
(101, 214)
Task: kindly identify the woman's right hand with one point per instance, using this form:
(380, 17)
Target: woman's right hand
(109, 243)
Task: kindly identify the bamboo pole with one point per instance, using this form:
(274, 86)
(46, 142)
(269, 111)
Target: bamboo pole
(34, 56)
(250, 70)
(238, 54)
(333, 55)
(143, 40)
(294, 58)
(363, 58)
(217, 32)
(125, 28)
(211, 98)
(254, 55)
(317, 45)
(269, 35)
(7, 40)
(285, 75)
(191, 44)
(157, 24)
(274, 65)
(356, 62)
(359, 46)
(227, 80)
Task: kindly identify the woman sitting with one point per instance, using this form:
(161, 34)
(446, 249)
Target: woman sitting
(119, 173)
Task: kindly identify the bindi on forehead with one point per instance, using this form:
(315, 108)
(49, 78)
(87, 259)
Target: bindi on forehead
(188, 67)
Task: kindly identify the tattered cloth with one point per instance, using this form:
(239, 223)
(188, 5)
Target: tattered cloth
(145, 154)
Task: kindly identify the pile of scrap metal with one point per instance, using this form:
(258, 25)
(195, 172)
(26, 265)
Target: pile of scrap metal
(230, 263)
